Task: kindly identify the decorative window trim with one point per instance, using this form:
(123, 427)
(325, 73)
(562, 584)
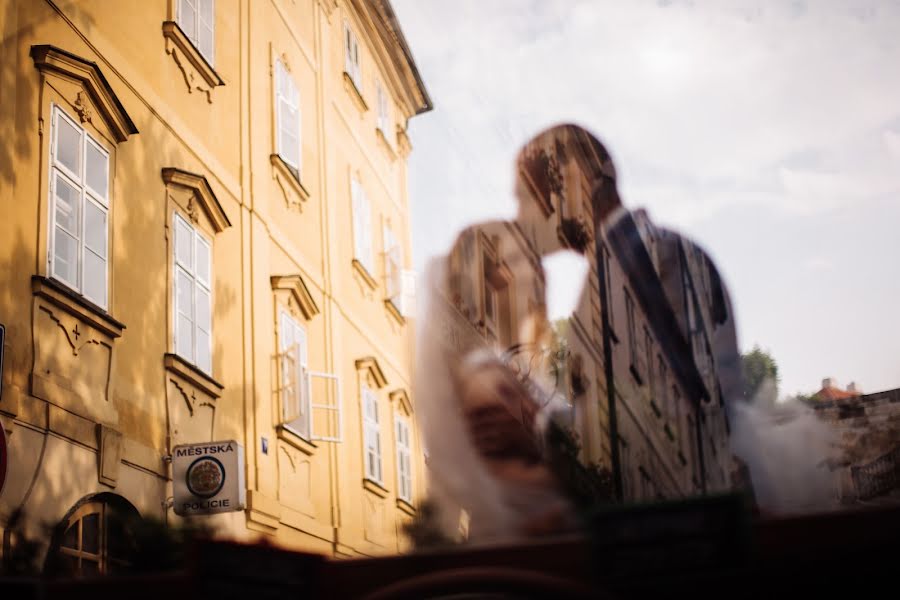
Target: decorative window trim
(370, 365)
(190, 61)
(202, 193)
(364, 273)
(77, 306)
(376, 488)
(285, 176)
(299, 292)
(192, 374)
(50, 59)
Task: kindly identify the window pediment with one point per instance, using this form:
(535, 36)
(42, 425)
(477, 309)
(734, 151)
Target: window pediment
(298, 290)
(50, 59)
(401, 399)
(202, 193)
(370, 368)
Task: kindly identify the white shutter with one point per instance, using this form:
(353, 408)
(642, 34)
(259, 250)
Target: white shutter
(408, 293)
(67, 228)
(371, 434)
(382, 108)
(206, 29)
(184, 289)
(348, 50)
(362, 226)
(290, 409)
(404, 471)
(95, 248)
(288, 117)
(202, 303)
(326, 408)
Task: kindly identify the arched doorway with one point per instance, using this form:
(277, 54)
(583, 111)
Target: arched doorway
(94, 538)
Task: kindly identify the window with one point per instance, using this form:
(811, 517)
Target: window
(383, 117)
(404, 466)
(362, 226)
(662, 397)
(371, 434)
(632, 333)
(351, 57)
(607, 283)
(294, 376)
(648, 341)
(197, 20)
(490, 310)
(79, 209)
(287, 118)
(193, 306)
(96, 539)
(393, 268)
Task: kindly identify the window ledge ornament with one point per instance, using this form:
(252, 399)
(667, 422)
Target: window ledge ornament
(389, 304)
(198, 74)
(404, 145)
(299, 292)
(50, 59)
(364, 274)
(202, 193)
(370, 365)
(295, 440)
(375, 487)
(195, 376)
(76, 306)
(386, 144)
(288, 178)
(406, 507)
(354, 92)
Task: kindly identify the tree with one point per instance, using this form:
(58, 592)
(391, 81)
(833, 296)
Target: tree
(759, 373)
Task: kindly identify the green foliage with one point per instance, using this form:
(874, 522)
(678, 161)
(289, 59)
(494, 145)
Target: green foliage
(760, 376)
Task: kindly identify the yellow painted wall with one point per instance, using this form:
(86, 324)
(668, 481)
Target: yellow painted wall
(302, 494)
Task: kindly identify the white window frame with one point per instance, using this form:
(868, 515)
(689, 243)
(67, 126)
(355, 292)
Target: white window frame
(491, 318)
(87, 197)
(404, 458)
(362, 226)
(298, 404)
(351, 56)
(383, 116)
(198, 286)
(193, 33)
(371, 435)
(393, 268)
(287, 98)
(295, 389)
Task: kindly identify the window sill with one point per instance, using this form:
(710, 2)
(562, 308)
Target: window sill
(195, 376)
(291, 176)
(375, 487)
(394, 311)
(354, 92)
(295, 440)
(364, 273)
(669, 433)
(383, 141)
(176, 37)
(406, 507)
(76, 305)
(636, 374)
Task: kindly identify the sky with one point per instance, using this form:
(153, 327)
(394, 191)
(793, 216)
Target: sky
(769, 132)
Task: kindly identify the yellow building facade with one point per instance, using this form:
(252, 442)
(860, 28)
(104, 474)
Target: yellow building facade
(204, 237)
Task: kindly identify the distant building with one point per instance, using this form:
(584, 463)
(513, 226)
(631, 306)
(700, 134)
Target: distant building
(866, 451)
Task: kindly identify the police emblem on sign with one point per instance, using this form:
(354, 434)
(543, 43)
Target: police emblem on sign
(208, 478)
(205, 477)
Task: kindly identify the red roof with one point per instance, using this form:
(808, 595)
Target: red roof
(833, 393)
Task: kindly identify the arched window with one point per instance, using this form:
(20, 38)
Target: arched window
(94, 538)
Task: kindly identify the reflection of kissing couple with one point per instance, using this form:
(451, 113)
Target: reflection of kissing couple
(502, 478)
